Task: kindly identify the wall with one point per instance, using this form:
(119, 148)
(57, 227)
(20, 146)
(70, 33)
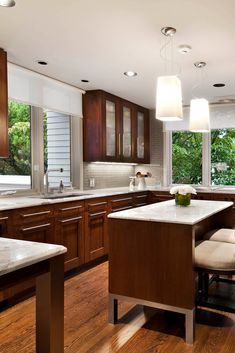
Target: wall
(116, 175)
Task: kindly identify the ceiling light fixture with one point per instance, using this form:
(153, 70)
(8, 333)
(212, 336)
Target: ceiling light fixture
(219, 85)
(41, 62)
(168, 93)
(85, 81)
(199, 110)
(130, 73)
(7, 3)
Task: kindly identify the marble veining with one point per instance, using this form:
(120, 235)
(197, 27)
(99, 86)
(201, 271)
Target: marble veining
(16, 254)
(167, 211)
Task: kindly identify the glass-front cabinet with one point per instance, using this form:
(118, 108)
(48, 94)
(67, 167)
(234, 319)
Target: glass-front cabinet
(115, 130)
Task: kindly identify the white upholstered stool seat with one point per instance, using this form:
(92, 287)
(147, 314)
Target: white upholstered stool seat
(215, 256)
(223, 234)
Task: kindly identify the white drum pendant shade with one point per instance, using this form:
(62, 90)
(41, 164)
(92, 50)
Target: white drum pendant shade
(199, 115)
(169, 99)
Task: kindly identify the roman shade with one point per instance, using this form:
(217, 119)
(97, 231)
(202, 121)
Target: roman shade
(221, 116)
(41, 91)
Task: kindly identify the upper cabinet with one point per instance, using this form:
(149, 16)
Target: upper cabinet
(115, 130)
(4, 152)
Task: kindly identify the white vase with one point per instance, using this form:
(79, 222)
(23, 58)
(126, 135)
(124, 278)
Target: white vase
(141, 184)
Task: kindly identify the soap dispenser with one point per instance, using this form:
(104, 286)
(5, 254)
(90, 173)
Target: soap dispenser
(132, 183)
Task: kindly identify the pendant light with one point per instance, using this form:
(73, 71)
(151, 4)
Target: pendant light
(168, 93)
(199, 110)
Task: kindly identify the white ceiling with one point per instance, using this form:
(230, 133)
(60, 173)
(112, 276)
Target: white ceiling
(100, 39)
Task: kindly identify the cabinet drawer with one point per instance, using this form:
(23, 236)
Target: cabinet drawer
(120, 203)
(96, 205)
(32, 216)
(140, 199)
(4, 223)
(69, 209)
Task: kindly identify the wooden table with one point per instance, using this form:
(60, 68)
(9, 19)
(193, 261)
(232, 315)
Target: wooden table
(21, 260)
(151, 255)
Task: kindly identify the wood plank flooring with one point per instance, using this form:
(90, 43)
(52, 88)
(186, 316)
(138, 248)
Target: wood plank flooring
(138, 331)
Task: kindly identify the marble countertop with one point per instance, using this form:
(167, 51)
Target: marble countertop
(16, 254)
(12, 202)
(168, 212)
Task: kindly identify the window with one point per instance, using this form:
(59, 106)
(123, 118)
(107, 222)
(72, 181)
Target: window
(223, 157)
(186, 157)
(57, 150)
(15, 171)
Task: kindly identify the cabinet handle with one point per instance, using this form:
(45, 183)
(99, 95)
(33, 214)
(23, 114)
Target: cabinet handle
(119, 144)
(3, 218)
(36, 227)
(94, 215)
(70, 208)
(35, 214)
(70, 219)
(97, 204)
(121, 208)
(141, 196)
(125, 199)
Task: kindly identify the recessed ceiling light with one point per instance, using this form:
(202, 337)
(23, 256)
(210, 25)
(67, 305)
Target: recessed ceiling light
(41, 62)
(130, 73)
(85, 81)
(219, 85)
(7, 3)
(184, 48)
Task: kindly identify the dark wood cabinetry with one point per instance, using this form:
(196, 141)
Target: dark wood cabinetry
(115, 130)
(4, 149)
(96, 232)
(69, 231)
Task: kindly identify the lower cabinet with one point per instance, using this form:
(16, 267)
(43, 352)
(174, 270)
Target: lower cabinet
(69, 231)
(96, 232)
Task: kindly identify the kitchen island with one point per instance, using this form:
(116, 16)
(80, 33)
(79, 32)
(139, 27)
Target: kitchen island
(24, 259)
(151, 255)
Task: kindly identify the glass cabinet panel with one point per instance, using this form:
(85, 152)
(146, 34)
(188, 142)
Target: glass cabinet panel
(110, 129)
(140, 135)
(126, 132)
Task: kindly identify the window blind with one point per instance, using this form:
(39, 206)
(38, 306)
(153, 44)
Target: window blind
(221, 116)
(41, 91)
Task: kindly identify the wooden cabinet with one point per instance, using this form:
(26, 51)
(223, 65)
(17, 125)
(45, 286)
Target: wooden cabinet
(4, 149)
(115, 130)
(69, 231)
(121, 202)
(141, 199)
(96, 233)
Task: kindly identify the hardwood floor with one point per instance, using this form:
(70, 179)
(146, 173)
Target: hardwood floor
(138, 331)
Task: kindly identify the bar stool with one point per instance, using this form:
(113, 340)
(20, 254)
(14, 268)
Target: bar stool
(216, 258)
(223, 234)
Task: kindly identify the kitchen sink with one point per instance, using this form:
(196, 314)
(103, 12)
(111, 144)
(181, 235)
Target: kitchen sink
(62, 196)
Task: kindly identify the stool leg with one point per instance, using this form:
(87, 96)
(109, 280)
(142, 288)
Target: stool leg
(113, 310)
(205, 284)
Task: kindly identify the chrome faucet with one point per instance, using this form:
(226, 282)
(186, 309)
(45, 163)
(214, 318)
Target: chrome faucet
(46, 174)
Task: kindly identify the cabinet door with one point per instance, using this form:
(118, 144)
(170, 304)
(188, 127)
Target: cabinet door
(96, 233)
(112, 136)
(142, 135)
(70, 233)
(126, 132)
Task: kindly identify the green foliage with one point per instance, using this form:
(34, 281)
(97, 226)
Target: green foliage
(187, 157)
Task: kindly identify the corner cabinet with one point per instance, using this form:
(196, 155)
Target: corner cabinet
(115, 130)
(4, 149)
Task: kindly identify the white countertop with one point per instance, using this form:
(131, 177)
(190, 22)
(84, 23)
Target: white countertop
(168, 212)
(16, 254)
(12, 202)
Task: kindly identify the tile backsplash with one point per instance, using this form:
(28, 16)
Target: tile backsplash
(107, 175)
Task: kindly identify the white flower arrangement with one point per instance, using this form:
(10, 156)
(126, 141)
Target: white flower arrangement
(182, 190)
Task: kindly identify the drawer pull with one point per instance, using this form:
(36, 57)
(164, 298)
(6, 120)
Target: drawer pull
(94, 215)
(121, 208)
(70, 219)
(70, 208)
(35, 214)
(3, 218)
(125, 199)
(41, 226)
(97, 204)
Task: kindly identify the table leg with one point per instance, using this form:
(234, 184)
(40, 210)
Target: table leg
(113, 309)
(50, 308)
(190, 326)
